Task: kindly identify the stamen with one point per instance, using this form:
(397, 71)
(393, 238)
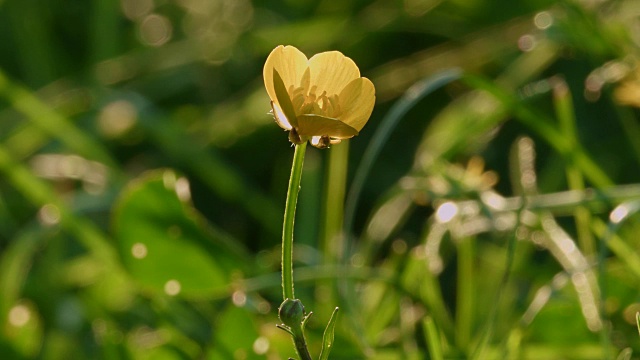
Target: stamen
(310, 103)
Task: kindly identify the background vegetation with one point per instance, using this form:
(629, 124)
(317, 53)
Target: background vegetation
(491, 204)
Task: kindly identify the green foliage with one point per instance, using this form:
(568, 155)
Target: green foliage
(491, 204)
(161, 243)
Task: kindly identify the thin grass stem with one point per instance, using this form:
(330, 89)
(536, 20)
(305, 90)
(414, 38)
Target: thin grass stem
(566, 116)
(432, 338)
(335, 188)
(464, 303)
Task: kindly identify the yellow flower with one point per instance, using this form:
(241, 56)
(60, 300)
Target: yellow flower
(322, 99)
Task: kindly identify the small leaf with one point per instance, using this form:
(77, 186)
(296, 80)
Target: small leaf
(625, 354)
(327, 337)
(284, 101)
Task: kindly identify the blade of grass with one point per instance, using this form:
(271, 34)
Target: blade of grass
(472, 118)
(566, 116)
(34, 45)
(410, 98)
(53, 123)
(465, 286)
(427, 284)
(331, 238)
(335, 185)
(432, 338)
(106, 26)
(480, 352)
(544, 127)
(631, 128)
(15, 262)
(607, 234)
(40, 194)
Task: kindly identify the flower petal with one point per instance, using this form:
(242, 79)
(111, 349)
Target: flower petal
(282, 104)
(356, 102)
(315, 125)
(281, 118)
(331, 71)
(290, 64)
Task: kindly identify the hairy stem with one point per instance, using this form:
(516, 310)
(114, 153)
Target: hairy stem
(289, 217)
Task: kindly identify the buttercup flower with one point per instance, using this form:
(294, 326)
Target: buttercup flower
(322, 99)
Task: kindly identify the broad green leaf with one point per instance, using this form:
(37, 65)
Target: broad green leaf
(327, 337)
(236, 336)
(162, 241)
(165, 352)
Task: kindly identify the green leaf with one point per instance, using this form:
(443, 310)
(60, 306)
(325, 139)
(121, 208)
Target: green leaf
(318, 125)
(236, 336)
(327, 337)
(23, 332)
(163, 243)
(432, 337)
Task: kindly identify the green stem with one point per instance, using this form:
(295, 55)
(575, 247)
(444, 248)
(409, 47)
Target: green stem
(289, 217)
(432, 337)
(464, 308)
(567, 118)
(334, 202)
(301, 345)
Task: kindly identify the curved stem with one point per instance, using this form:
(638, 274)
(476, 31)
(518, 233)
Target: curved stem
(301, 345)
(289, 217)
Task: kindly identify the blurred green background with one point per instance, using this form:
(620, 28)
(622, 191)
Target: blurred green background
(143, 181)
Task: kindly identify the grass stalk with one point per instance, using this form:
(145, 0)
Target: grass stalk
(564, 111)
(464, 300)
(432, 338)
(332, 239)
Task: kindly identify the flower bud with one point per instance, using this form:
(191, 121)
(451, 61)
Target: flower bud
(291, 313)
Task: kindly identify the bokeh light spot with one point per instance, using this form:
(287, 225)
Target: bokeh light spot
(446, 212)
(19, 315)
(526, 42)
(182, 189)
(139, 250)
(543, 20)
(261, 345)
(239, 298)
(619, 213)
(117, 118)
(172, 287)
(136, 9)
(155, 30)
(49, 215)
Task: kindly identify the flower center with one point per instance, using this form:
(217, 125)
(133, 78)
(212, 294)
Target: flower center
(308, 102)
